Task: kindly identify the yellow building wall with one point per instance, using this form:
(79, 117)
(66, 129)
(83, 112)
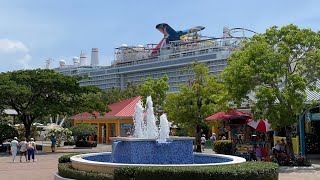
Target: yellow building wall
(295, 142)
(101, 122)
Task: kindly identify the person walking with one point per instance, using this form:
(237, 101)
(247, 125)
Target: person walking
(203, 142)
(213, 139)
(53, 143)
(23, 149)
(258, 152)
(14, 148)
(31, 148)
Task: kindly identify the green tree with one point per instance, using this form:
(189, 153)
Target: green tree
(203, 97)
(82, 131)
(7, 132)
(37, 93)
(272, 72)
(157, 89)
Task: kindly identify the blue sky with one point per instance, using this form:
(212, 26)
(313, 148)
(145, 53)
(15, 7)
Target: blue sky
(35, 30)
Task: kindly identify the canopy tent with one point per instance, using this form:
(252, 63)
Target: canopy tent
(260, 125)
(232, 114)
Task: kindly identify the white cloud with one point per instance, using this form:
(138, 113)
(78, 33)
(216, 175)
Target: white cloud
(24, 61)
(12, 46)
(14, 55)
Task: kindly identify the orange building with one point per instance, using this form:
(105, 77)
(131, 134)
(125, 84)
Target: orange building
(117, 122)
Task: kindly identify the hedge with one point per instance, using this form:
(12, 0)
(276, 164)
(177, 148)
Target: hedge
(66, 158)
(223, 147)
(86, 143)
(66, 170)
(242, 171)
(69, 143)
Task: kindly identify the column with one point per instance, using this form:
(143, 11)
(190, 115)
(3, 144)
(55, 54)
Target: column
(301, 138)
(99, 134)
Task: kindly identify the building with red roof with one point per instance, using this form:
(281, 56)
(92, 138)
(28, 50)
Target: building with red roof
(117, 122)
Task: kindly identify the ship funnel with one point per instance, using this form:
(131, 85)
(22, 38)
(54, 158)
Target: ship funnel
(94, 57)
(83, 58)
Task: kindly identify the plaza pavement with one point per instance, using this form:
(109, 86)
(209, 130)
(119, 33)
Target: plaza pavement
(46, 165)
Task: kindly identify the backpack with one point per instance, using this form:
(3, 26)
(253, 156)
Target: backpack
(31, 145)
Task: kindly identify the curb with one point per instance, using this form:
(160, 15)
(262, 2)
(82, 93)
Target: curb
(58, 177)
(287, 169)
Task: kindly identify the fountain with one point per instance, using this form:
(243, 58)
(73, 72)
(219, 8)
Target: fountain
(149, 146)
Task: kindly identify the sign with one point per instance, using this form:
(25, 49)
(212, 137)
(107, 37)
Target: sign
(315, 116)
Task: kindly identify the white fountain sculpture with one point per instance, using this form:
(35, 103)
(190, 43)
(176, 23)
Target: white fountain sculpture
(148, 128)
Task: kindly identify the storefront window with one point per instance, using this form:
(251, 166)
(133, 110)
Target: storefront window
(126, 129)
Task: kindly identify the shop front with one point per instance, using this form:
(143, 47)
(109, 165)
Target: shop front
(118, 122)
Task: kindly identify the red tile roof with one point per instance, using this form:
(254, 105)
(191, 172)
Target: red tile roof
(123, 108)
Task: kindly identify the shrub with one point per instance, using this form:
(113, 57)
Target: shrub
(59, 134)
(301, 161)
(65, 170)
(86, 144)
(7, 132)
(69, 143)
(82, 131)
(241, 171)
(66, 158)
(284, 159)
(223, 147)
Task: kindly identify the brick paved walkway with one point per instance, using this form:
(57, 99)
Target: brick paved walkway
(46, 166)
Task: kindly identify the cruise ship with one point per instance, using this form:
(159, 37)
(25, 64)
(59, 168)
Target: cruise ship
(171, 56)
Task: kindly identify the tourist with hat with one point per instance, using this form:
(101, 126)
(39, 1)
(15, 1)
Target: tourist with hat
(23, 149)
(213, 139)
(203, 141)
(14, 148)
(31, 148)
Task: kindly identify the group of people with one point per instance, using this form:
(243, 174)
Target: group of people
(260, 152)
(26, 148)
(203, 141)
(280, 147)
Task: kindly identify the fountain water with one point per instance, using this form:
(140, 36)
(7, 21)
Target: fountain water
(152, 130)
(149, 147)
(164, 129)
(138, 121)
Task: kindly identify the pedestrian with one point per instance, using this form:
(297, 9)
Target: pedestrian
(14, 148)
(283, 146)
(31, 148)
(23, 149)
(203, 141)
(53, 143)
(213, 139)
(258, 152)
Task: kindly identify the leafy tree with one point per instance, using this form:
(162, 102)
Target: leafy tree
(38, 93)
(60, 134)
(7, 132)
(272, 72)
(82, 131)
(6, 119)
(203, 97)
(34, 131)
(157, 89)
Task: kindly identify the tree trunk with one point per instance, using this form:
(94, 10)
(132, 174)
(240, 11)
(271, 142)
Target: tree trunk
(27, 128)
(289, 147)
(27, 122)
(197, 147)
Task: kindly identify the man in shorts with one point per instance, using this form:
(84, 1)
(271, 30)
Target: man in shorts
(23, 149)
